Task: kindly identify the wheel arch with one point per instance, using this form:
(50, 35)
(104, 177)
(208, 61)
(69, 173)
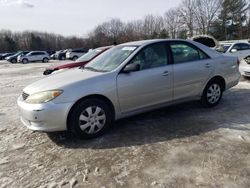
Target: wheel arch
(94, 96)
(217, 78)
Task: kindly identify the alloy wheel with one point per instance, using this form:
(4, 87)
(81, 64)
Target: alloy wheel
(92, 119)
(213, 93)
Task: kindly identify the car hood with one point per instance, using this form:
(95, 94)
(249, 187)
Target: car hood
(68, 65)
(12, 56)
(61, 80)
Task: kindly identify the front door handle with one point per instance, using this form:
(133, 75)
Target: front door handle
(165, 73)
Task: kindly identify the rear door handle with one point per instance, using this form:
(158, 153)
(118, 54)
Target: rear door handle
(165, 73)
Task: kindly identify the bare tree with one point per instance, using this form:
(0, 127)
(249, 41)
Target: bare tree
(152, 26)
(115, 29)
(205, 13)
(187, 14)
(172, 22)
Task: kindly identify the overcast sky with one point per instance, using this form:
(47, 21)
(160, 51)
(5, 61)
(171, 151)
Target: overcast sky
(74, 17)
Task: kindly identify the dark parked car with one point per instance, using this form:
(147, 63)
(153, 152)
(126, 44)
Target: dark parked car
(61, 55)
(50, 52)
(79, 62)
(3, 56)
(13, 58)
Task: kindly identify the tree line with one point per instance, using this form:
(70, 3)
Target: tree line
(223, 19)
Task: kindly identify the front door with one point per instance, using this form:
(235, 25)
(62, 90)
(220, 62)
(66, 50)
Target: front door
(149, 86)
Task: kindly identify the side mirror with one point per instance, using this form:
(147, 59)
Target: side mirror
(234, 50)
(131, 68)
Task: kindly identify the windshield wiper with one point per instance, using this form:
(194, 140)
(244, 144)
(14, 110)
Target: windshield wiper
(92, 69)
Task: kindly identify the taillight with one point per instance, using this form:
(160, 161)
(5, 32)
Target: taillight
(238, 62)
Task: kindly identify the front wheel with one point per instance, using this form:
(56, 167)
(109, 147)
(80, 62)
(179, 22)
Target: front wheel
(62, 58)
(212, 94)
(13, 60)
(90, 118)
(74, 58)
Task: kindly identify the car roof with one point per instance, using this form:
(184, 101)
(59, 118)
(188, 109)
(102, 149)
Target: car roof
(39, 51)
(104, 47)
(230, 43)
(151, 41)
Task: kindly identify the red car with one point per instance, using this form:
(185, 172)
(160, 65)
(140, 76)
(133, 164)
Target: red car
(81, 61)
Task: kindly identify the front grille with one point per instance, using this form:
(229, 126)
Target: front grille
(25, 96)
(247, 73)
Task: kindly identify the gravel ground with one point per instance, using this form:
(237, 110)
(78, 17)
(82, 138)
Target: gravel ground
(180, 146)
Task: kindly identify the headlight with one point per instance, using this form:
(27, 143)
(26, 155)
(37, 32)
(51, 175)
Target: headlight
(43, 97)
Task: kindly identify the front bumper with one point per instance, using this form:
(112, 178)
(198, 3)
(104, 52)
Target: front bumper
(245, 70)
(47, 117)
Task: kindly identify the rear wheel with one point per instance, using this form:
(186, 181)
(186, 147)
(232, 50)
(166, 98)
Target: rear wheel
(24, 61)
(45, 60)
(90, 118)
(212, 94)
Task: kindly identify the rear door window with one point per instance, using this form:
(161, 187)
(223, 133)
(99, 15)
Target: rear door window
(183, 52)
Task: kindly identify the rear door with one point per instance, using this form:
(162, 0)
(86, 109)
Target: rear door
(32, 56)
(192, 68)
(151, 85)
(40, 56)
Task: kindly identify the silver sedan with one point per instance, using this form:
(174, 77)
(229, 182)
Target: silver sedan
(128, 79)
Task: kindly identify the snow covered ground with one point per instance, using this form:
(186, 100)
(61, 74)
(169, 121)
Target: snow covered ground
(179, 146)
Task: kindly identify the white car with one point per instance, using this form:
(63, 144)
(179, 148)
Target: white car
(34, 56)
(74, 54)
(240, 50)
(237, 49)
(245, 67)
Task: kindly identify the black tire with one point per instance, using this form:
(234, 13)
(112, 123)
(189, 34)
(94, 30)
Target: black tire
(209, 97)
(47, 72)
(13, 60)
(246, 77)
(88, 122)
(74, 58)
(24, 61)
(45, 60)
(62, 58)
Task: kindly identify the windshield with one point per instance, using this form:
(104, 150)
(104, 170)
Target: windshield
(225, 47)
(110, 59)
(88, 56)
(19, 53)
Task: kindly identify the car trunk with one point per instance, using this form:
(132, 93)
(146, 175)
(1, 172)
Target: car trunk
(209, 41)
